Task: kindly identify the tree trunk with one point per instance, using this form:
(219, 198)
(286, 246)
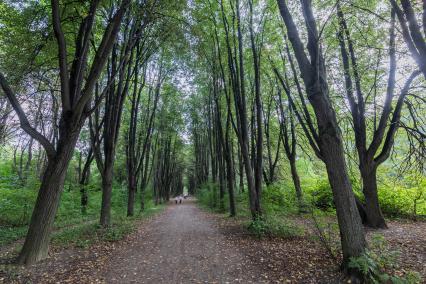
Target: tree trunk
(37, 240)
(241, 108)
(84, 199)
(84, 180)
(142, 198)
(131, 196)
(296, 182)
(230, 175)
(351, 230)
(240, 171)
(105, 219)
(221, 182)
(374, 216)
(329, 137)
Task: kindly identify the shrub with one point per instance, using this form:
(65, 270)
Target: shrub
(280, 197)
(402, 201)
(274, 226)
(16, 206)
(322, 195)
(208, 195)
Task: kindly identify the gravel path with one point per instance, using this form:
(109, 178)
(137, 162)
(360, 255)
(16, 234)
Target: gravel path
(180, 246)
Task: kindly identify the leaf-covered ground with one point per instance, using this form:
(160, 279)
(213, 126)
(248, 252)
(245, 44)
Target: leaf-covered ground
(184, 244)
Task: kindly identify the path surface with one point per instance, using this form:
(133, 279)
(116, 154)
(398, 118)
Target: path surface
(179, 246)
(184, 244)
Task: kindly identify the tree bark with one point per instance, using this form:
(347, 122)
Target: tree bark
(36, 243)
(131, 195)
(296, 182)
(374, 216)
(84, 180)
(107, 176)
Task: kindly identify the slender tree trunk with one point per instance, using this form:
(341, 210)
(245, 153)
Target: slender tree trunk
(296, 182)
(230, 181)
(221, 169)
(131, 195)
(84, 201)
(107, 176)
(142, 194)
(329, 137)
(84, 180)
(240, 171)
(244, 135)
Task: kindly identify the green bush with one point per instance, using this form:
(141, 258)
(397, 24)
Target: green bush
(322, 195)
(279, 197)
(71, 226)
(16, 206)
(208, 195)
(399, 201)
(274, 226)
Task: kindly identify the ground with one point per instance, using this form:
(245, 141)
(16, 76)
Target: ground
(185, 244)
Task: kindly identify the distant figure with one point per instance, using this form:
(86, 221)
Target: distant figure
(178, 199)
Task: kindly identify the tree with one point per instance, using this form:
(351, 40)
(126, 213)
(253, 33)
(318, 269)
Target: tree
(140, 135)
(371, 156)
(76, 93)
(328, 139)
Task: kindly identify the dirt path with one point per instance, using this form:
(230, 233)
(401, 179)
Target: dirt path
(184, 244)
(180, 246)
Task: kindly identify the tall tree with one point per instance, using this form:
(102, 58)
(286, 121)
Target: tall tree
(328, 139)
(77, 83)
(371, 156)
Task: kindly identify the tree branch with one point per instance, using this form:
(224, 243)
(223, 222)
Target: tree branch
(62, 56)
(25, 124)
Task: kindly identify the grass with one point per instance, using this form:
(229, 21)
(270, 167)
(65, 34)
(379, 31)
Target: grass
(71, 227)
(85, 234)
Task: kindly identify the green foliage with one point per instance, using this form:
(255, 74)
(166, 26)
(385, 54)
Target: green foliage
(321, 195)
(279, 197)
(10, 234)
(374, 264)
(71, 226)
(404, 198)
(274, 226)
(208, 196)
(16, 206)
(85, 234)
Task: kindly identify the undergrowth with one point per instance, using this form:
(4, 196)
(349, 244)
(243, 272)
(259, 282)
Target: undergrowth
(71, 226)
(273, 226)
(377, 263)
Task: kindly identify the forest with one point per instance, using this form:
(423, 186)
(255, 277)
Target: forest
(212, 141)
